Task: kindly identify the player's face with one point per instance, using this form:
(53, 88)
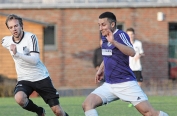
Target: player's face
(131, 35)
(15, 28)
(104, 26)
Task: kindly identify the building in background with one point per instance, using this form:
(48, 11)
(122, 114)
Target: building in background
(67, 33)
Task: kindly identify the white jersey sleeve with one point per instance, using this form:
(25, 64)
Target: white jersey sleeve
(33, 58)
(33, 44)
(5, 42)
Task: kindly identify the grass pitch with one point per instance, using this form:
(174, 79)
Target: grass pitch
(72, 105)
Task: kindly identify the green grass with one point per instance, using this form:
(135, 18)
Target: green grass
(72, 105)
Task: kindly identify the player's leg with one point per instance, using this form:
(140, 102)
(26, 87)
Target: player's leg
(132, 92)
(146, 109)
(22, 92)
(139, 79)
(56, 108)
(101, 95)
(50, 96)
(91, 102)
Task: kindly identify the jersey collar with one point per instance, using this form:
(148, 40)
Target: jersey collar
(20, 39)
(115, 31)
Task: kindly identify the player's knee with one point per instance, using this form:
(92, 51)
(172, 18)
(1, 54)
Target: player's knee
(53, 102)
(150, 112)
(20, 98)
(147, 113)
(83, 106)
(86, 106)
(57, 111)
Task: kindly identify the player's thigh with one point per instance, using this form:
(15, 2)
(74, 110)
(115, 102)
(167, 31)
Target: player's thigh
(105, 93)
(92, 101)
(129, 91)
(46, 90)
(23, 89)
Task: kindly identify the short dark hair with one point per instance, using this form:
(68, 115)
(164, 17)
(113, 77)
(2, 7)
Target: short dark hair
(111, 17)
(130, 29)
(13, 16)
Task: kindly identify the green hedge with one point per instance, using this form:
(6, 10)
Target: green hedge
(6, 86)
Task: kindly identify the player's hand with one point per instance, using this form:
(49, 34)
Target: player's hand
(99, 76)
(137, 56)
(13, 48)
(110, 36)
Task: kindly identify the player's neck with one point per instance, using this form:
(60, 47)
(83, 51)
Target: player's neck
(114, 29)
(17, 39)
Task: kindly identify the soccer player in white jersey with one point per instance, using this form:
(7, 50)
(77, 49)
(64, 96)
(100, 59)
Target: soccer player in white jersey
(135, 62)
(32, 74)
(120, 82)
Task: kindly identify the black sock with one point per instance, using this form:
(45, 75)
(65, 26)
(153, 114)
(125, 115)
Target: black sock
(33, 107)
(66, 114)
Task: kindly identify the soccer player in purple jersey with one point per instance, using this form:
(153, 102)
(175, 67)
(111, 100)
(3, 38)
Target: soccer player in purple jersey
(120, 82)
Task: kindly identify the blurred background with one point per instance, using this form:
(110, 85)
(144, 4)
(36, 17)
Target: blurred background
(68, 33)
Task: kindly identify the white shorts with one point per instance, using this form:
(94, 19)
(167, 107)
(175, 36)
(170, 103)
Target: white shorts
(127, 91)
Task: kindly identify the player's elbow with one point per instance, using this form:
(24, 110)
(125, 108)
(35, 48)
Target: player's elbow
(132, 54)
(35, 62)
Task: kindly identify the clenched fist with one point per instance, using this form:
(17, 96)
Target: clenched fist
(13, 48)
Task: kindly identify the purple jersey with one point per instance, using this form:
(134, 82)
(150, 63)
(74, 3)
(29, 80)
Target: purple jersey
(116, 63)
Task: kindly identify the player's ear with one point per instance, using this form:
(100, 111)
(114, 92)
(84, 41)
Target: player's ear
(113, 24)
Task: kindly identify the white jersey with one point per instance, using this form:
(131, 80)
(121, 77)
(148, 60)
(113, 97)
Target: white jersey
(135, 64)
(26, 71)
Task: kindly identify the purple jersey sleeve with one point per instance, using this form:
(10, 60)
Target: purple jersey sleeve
(123, 38)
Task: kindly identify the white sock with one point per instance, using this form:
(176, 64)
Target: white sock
(163, 113)
(91, 112)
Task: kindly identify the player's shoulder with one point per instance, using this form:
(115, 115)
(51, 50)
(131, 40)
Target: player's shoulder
(28, 34)
(7, 38)
(6, 41)
(122, 33)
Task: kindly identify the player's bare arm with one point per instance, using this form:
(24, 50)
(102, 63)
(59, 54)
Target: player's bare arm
(100, 73)
(124, 49)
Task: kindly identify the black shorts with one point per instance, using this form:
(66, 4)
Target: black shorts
(43, 87)
(138, 75)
